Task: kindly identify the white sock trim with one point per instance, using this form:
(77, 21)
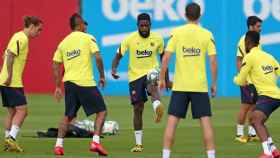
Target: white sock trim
(240, 130)
(138, 137)
(251, 131)
(14, 131)
(7, 133)
(59, 142)
(211, 153)
(271, 144)
(266, 148)
(96, 139)
(166, 153)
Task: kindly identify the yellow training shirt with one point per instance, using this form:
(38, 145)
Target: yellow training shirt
(142, 53)
(263, 69)
(75, 52)
(241, 51)
(190, 42)
(18, 45)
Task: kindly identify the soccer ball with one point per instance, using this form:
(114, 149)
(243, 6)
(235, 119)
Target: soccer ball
(153, 75)
(110, 128)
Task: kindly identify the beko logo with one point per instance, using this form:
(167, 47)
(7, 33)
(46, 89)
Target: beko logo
(264, 9)
(267, 7)
(174, 10)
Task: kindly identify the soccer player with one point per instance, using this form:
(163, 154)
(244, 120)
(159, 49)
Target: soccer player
(13, 97)
(190, 43)
(248, 91)
(143, 46)
(75, 53)
(263, 70)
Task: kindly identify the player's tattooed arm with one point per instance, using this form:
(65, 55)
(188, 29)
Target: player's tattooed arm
(10, 62)
(238, 63)
(100, 67)
(115, 64)
(214, 71)
(57, 79)
(168, 83)
(163, 71)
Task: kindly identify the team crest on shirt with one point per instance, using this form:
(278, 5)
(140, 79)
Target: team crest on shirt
(191, 51)
(73, 54)
(143, 54)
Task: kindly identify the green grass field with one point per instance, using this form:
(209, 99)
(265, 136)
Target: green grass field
(45, 113)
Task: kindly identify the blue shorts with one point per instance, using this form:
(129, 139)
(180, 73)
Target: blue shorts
(88, 97)
(179, 104)
(12, 97)
(138, 90)
(249, 94)
(267, 105)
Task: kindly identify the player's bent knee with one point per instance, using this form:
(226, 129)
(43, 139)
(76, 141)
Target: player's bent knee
(257, 118)
(22, 110)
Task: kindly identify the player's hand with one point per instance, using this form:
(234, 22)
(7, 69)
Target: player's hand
(102, 82)
(213, 90)
(58, 94)
(114, 74)
(8, 81)
(162, 84)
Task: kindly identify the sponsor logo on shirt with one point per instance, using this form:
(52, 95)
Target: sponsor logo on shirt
(73, 54)
(267, 69)
(191, 51)
(143, 54)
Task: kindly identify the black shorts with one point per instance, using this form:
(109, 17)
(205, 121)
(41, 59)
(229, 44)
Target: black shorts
(12, 97)
(138, 90)
(249, 94)
(88, 97)
(267, 105)
(180, 101)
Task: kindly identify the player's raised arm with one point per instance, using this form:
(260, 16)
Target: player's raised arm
(100, 67)
(115, 64)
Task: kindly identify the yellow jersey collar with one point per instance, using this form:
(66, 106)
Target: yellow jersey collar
(24, 34)
(192, 25)
(254, 49)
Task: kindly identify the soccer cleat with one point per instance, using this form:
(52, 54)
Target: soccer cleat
(276, 153)
(96, 147)
(137, 148)
(241, 139)
(58, 150)
(159, 113)
(12, 145)
(5, 146)
(266, 156)
(253, 138)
